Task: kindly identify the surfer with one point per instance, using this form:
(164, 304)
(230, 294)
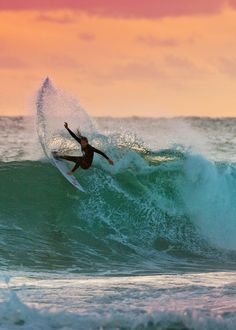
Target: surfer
(88, 151)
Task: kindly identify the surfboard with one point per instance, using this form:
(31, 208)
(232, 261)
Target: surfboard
(60, 165)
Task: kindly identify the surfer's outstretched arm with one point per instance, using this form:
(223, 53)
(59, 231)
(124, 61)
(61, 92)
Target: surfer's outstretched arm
(77, 138)
(103, 154)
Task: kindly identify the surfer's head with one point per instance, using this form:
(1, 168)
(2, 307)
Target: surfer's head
(84, 141)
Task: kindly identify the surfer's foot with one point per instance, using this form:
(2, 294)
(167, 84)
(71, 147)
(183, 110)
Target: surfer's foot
(70, 173)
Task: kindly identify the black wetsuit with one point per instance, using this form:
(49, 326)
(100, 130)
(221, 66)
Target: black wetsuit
(88, 152)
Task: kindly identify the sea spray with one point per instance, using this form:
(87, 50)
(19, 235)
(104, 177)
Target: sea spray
(54, 107)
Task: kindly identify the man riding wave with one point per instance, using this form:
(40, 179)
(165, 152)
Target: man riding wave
(88, 151)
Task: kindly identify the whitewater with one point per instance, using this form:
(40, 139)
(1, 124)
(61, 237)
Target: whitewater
(150, 245)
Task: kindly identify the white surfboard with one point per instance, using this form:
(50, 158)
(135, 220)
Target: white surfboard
(59, 163)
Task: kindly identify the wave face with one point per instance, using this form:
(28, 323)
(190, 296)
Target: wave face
(157, 211)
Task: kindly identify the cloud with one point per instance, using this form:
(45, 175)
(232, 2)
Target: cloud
(228, 66)
(137, 70)
(57, 60)
(11, 62)
(187, 68)
(134, 71)
(64, 19)
(171, 69)
(124, 8)
(154, 41)
(86, 36)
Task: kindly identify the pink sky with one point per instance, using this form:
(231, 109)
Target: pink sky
(123, 58)
(124, 8)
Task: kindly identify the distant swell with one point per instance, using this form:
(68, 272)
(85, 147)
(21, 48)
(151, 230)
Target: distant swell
(148, 212)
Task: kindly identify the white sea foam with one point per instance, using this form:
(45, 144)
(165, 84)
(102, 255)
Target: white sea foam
(193, 301)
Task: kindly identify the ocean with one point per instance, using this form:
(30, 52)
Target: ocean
(150, 245)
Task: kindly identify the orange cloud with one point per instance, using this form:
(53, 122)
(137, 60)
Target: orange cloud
(133, 71)
(11, 62)
(184, 65)
(61, 19)
(153, 41)
(86, 36)
(228, 66)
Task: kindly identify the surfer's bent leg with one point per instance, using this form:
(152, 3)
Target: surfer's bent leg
(70, 158)
(77, 164)
(80, 162)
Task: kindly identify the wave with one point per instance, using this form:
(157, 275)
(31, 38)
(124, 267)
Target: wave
(159, 211)
(152, 210)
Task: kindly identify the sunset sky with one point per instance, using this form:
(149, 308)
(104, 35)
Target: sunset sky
(121, 58)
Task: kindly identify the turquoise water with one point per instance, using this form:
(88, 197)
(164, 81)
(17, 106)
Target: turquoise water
(150, 245)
